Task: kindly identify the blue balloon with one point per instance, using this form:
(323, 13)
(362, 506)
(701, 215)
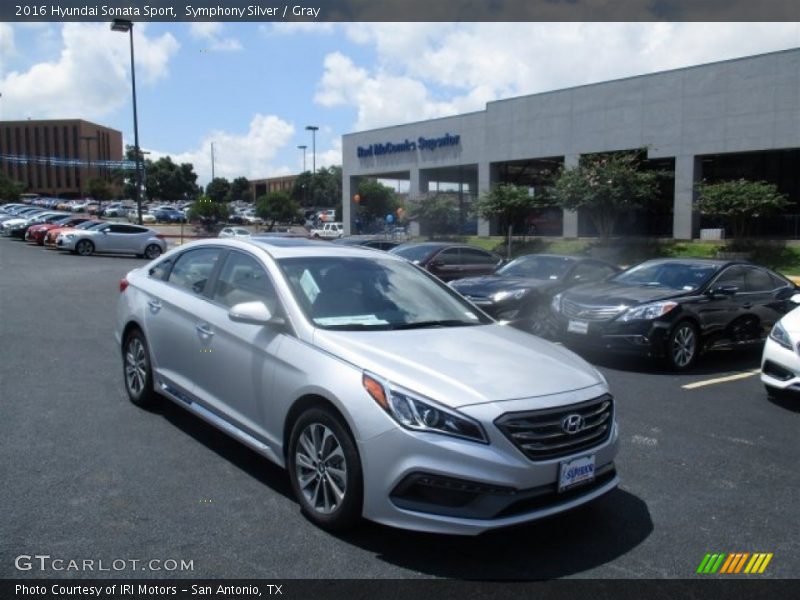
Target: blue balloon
(389, 218)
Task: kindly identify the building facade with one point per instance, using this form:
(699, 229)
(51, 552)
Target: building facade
(57, 157)
(731, 119)
(262, 187)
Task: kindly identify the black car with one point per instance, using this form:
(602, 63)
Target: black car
(675, 308)
(449, 261)
(521, 291)
(374, 243)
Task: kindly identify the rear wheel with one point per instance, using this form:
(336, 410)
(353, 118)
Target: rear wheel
(325, 470)
(152, 251)
(137, 370)
(683, 346)
(84, 248)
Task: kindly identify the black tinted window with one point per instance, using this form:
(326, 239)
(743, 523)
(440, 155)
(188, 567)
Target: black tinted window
(732, 276)
(758, 280)
(448, 257)
(472, 256)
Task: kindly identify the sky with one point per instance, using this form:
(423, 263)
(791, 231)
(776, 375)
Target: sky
(252, 88)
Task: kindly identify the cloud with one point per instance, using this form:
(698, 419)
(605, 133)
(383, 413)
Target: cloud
(211, 34)
(88, 80)
(7, 46)
(235, 155)
(422, 70)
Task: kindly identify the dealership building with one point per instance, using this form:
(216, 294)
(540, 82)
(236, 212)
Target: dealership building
(727, 120)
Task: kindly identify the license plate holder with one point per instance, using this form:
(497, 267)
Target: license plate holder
(576, 472)
(580, 327)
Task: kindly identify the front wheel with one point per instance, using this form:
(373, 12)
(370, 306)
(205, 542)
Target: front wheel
(325, 470)
(137, 370)
(84, 248)
(683, 346)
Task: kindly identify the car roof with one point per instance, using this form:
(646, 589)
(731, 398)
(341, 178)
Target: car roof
(291, 247)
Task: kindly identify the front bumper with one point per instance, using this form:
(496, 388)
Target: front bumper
(65, 244)
(642, 338)
(780, 367)
(435, 483)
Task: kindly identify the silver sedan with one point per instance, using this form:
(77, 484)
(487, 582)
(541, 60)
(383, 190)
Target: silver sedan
(113, 237)
(384, 393)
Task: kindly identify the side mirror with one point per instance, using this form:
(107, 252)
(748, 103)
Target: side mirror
(255, 313)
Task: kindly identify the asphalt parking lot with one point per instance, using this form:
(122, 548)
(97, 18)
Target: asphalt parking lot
(708, 464)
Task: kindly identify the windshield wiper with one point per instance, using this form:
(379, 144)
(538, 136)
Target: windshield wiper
(435, 323)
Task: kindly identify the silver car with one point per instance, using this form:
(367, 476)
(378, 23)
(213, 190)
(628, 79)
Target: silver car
(118, 238)
(383, 392)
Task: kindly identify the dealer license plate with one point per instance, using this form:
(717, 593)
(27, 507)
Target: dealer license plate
(575, 472)
(581, 327)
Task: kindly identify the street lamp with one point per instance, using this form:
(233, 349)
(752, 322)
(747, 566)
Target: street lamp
(303, 148)
(84, 183)
(313, 129)
(125, 25)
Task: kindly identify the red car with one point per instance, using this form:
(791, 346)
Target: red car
(36, 233)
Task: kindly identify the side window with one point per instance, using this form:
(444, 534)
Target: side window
(193, 268)
(589, 272)
(732, 276)
(162, 269)
(758, 280)
(244, 279)
(448, 257)
(472, 256)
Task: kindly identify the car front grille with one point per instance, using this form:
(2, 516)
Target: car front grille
(546, 434)
(573, 310)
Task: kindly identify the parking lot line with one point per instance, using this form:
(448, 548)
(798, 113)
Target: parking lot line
(699, 384)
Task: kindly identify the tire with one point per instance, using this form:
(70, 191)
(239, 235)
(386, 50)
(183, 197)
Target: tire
(330, 490)
(683, 346)
(84, 248)
(137, 371)
(152, 251)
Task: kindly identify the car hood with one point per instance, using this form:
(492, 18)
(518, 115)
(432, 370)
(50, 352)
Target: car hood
(791, 321)
(614, 294)
(459, 366)
(485, 286)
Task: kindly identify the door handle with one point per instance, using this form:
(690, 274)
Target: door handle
(204, 329)
(155, 305)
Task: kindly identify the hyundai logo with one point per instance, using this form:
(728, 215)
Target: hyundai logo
(572, 424)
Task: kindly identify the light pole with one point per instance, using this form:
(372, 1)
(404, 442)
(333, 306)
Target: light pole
(85, 181)
(212, 161)
(303, 148)
(313, 129)
(124, 25)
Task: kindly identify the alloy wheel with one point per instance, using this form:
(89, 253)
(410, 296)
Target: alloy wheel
(321, 468)
(684, 346)
(135, 367)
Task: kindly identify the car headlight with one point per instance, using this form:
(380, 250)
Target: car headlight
(555, 303)
(648, 312)
(68, 236)
(508, 294)
(412, 412)
(780, 336)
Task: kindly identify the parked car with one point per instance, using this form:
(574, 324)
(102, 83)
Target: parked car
(114, 237)
(780, 360)
(382, 392)
(368, 242)
(20, 229)
(521, 291)
(249, 217)
(675, 308)
(232, 232)
(51, 236)
(117, 209)
(133, 216)
(328, 231)
(449, 261)
(169, 215)
(37, 233)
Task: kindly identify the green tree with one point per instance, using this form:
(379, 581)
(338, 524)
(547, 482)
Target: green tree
(163, 179)
(240, 190)
(508, 203)
(437, 214)
(100, 189)
(606, 186)
(376, 201)
(10, 189)
(322, 189)
(208, 213)
(739, 201)
(277, 207)
(218, 189)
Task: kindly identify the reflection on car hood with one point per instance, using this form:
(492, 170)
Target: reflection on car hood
(484, 286)
(791, 321)
(458, 366)
(614, 294)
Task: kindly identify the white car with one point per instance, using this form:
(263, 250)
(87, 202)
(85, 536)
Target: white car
(780, 362)
(234, 232)
(133, 216)
(328, 231)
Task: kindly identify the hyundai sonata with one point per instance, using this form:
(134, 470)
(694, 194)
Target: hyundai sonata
(382, 392)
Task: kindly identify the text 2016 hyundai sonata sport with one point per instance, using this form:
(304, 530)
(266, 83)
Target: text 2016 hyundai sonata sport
(382, 392)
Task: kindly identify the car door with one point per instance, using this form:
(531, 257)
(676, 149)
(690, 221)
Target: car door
(113, 238)
(766, 298)
(175, 307)
(446, 265)
(476, 262)
(722, 303)
(236, 370)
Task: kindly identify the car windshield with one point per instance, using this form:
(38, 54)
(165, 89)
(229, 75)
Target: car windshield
(414, 252)
(537, 267)
(676, 275)
(355, 293)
